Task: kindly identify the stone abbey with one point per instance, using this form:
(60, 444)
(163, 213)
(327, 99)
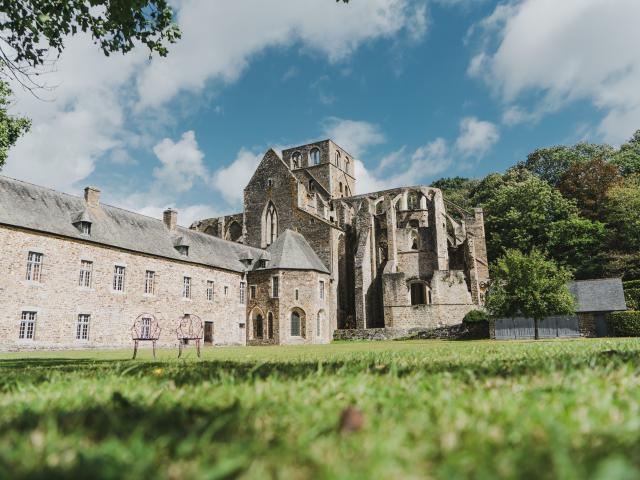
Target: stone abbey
(305, 258)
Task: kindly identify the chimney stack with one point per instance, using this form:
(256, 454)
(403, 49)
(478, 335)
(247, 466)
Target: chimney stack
(170, 218)
(92, 196)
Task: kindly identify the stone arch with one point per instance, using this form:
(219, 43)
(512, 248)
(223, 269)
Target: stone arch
(296, 160)
(269, 224)
(297, 323)
(256, 321)
(234, 231)
(211, 230)
(414, 240)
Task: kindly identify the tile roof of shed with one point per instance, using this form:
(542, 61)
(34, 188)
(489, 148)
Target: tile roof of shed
(599, 295)
(38, 208)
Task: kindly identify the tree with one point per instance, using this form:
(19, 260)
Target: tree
(519, 215)
(528, 285)
(11, 128)
(587, 183)
(550, 163)
(577, 244)
(457, 190)
(32, 28)
(621, 213)
(627, 159)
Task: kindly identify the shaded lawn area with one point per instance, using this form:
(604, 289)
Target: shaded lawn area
(432, 409)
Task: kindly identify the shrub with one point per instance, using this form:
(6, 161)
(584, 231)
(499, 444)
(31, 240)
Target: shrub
(475, 316)
(632, 296)
(624, 324)
(631, 284)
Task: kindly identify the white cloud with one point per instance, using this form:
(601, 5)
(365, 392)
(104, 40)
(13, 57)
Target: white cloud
(181, 162)
(476, 137)
(566, 51)
(231, 180)
(353, 135)
(220, 37)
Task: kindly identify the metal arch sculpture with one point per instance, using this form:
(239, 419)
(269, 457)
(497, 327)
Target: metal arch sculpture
(189, 328)
(145, 329)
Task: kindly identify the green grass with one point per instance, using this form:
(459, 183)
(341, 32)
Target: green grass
(548, 409)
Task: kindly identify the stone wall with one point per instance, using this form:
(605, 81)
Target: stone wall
(460, 331)
(425, 316)
(58, 300)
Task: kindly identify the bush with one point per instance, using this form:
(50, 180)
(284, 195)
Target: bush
(632, 296)
(624, 324)
(631, 284)
(475, 316)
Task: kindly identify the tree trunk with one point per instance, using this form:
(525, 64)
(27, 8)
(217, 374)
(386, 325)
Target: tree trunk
(535, 329)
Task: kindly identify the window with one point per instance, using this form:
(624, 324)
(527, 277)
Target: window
(145, 327)
(296, 157)
(34, 267)
(346, 164)
(27, 325)
(312, 186)
(340, 187)
(85, 228)
(243, 287)
(262, 264)
(295, 324)
(86, 268)
(318, 324)
(252, 292)
(186, 287)
(258, 327)
(275, 287)
(413, 241)
(338, 159)
(271, 224)
(118, 278)
(226, 290)
(269, 182)
(321, 289)
(418, 293)
(297, 294)
(82, 329)
(270, 325)
(149, 282)
(315, 156)
(210, 290)
(183, 250)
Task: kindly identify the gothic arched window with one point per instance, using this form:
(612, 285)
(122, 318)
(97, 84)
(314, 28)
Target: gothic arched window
(315, 156)
(296, 157)
(338, 159)
(295, 324)
(271, 224)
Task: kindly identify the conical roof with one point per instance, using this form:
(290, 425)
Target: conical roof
(291, 251)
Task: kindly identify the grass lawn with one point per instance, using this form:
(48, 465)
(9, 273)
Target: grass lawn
(547, 409)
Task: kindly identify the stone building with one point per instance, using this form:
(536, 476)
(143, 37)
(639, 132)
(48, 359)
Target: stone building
(304, 258)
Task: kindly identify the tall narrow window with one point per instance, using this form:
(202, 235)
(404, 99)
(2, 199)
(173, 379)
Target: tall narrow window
(271, 224)
(258, 327)
(145, 327)
(270, 325)
(321, 289)
(118, 278)
(34, 266)
(252, 292)
(186, 287)
(315, 156)
(210, 290)
(27, 325)
(275, 287)
(318, 324)
(295, 158)
(418, 293)
(346, 164)
(149, 282)
(243, 287)
(85, 228)
(295, 324)
(297, 294)
(86, 269)
(338, 159)
(82, 328)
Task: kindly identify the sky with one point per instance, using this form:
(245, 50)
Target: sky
(415, 90)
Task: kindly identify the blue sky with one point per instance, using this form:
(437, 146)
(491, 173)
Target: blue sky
(415, 89)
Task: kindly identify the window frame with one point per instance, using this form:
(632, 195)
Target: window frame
(186, 287)
(83, 326)
(210, 290)
(242, 293)
(253, 292)
(27, 330)
(86, 274)
(119, 278)
(321, 291)
(275, 286)
(34, 266)
(149, 282)
(299, 324)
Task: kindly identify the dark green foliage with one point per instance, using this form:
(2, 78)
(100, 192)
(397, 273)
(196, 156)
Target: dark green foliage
(11, 127)
(528, 285)
(458, 190)
(627, 159)
(632, 296)
(631, 284)
(33, 27)
(624, 324)
(575, 243)
(475, 316)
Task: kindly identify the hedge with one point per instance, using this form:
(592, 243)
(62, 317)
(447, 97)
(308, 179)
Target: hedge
(632, 296)
(475, 316)
(624, 324)
(631, 284)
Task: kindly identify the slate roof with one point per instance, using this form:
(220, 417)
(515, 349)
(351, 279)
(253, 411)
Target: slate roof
(601, 295)
(291, 251)
(38, 208)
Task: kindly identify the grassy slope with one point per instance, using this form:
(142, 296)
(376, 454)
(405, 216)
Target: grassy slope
(551, 409)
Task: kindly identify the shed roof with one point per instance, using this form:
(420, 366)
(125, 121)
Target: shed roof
(38, 208)
(599, 295)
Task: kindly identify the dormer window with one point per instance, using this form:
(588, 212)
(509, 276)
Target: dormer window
(262, 264)
(85, 228)
(183, 250)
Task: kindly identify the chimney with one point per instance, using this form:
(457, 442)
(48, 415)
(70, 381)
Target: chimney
(92, 196)
(170, 218)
